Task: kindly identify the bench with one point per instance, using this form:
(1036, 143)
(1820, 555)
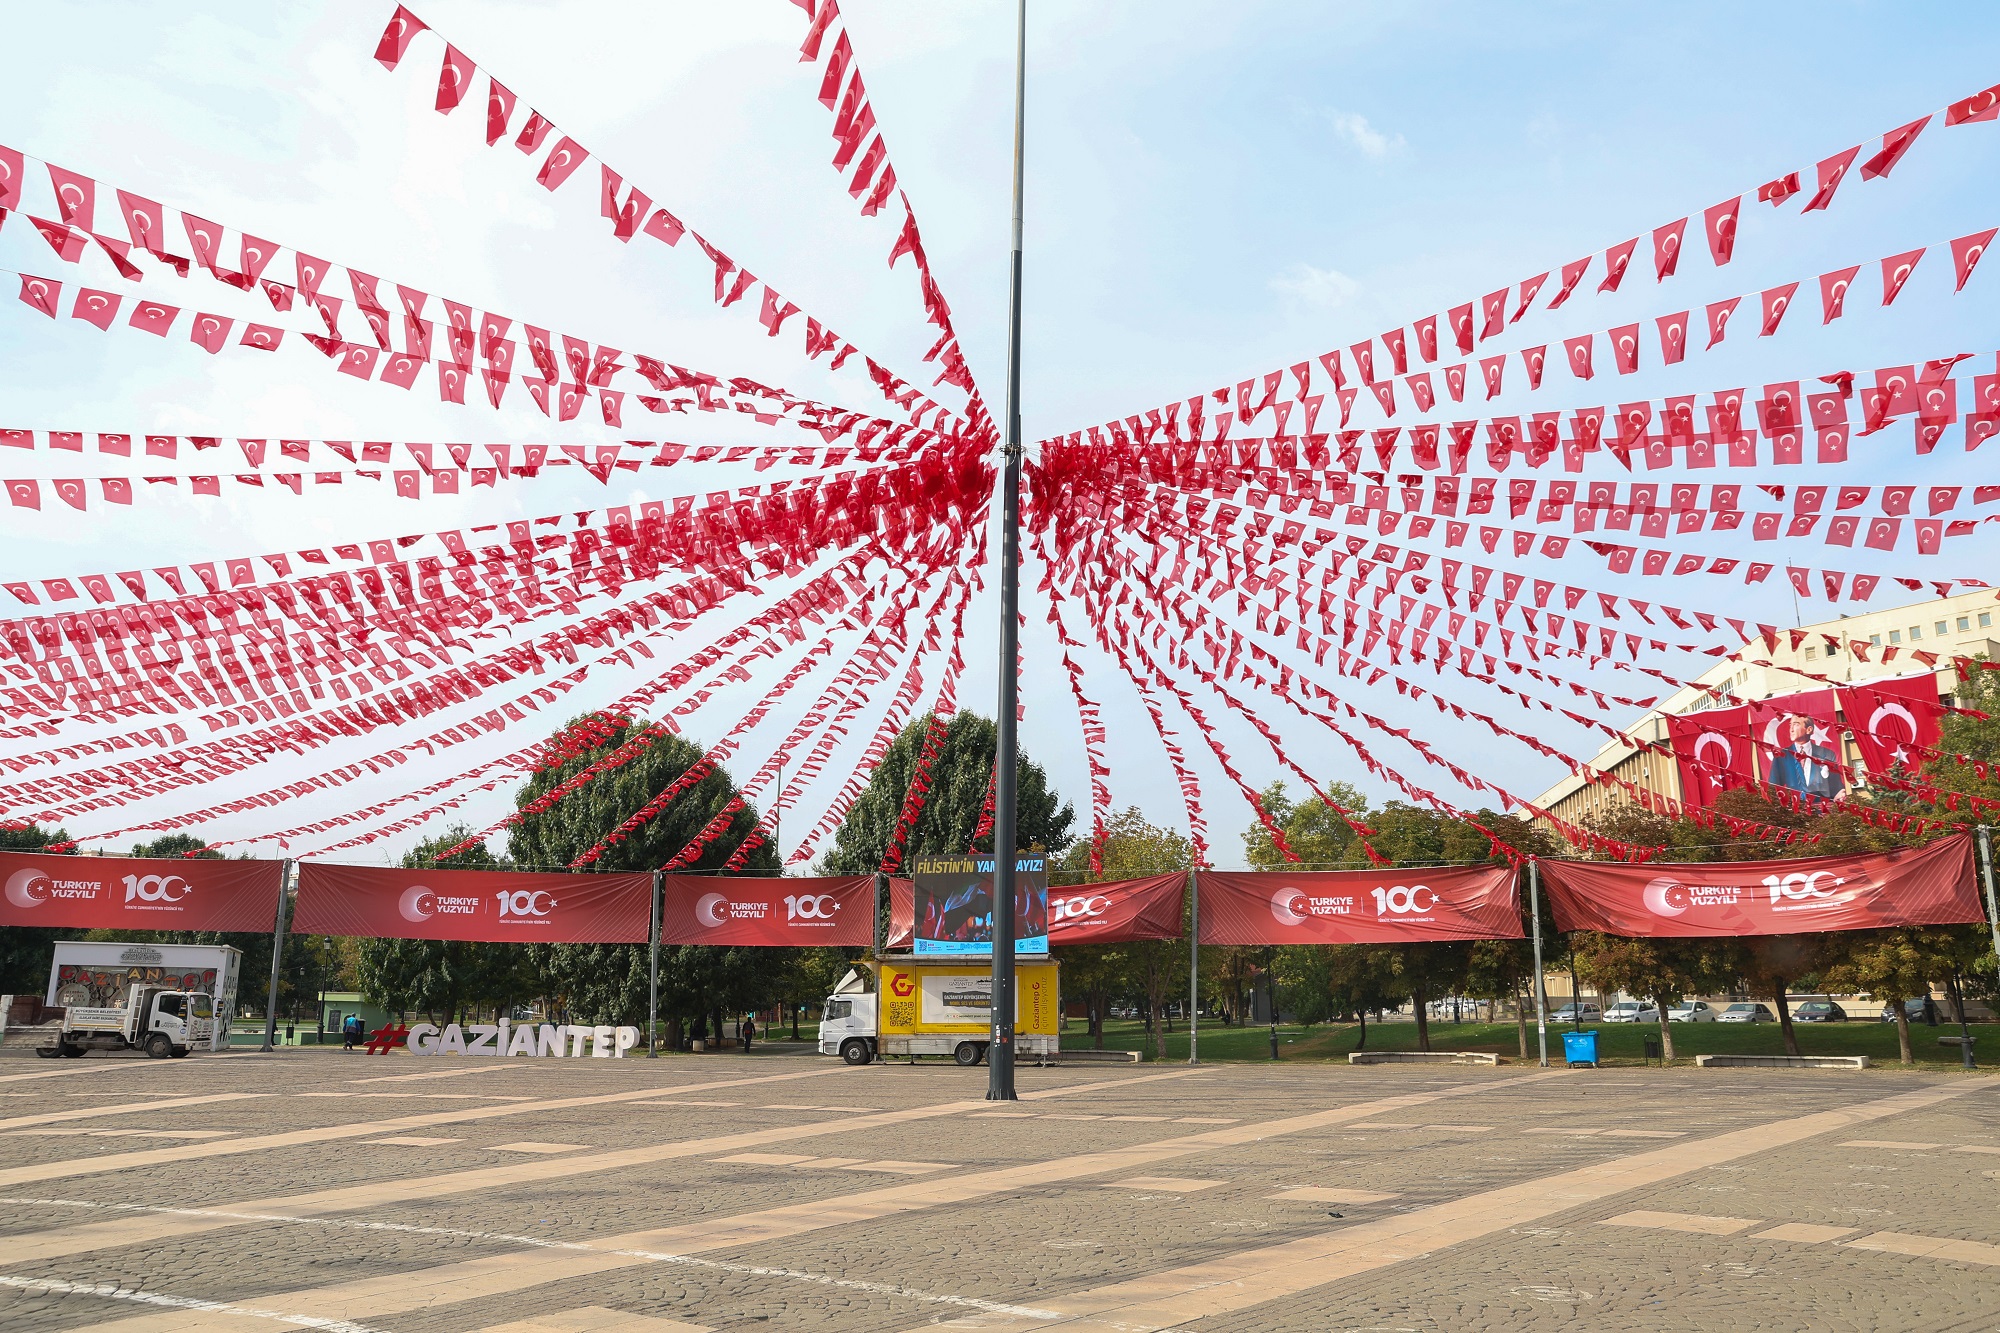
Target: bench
(1781, 1061)
(1097, 1058)
(1423, 1058)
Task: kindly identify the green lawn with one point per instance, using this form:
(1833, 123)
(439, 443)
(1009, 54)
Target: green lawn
(1617, 1043)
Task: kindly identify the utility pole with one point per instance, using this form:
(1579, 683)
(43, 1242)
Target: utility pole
(1000, 1054)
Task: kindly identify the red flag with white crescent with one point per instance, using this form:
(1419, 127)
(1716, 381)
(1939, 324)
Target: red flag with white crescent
(1893, 721)
(1712, 750)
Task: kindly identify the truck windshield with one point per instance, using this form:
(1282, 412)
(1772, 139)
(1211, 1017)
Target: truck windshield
(201, 1006)
(839, 1008)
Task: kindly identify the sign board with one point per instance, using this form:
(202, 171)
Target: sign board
(131, 893)
(954, 905)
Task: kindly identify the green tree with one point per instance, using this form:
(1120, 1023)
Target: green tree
(1661, 970)
(1133, 848)
(609, 982)
(441, 979)
(959, 774)
(1889, 965)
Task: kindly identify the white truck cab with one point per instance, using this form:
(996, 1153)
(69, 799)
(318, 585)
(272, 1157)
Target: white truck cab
(847, 1027)
(162, 1023)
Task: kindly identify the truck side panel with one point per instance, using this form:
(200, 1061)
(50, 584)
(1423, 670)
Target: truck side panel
(954, 999)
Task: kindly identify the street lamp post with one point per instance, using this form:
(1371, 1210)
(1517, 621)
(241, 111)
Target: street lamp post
(1000, 1053)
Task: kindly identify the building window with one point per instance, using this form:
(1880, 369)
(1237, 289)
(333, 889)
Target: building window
(1895, 636)
(1985, 619)
(1833, 650)
(1939, 629)
(1964, 623)
(1916, 632)
(1812, 654)
(1875, 639)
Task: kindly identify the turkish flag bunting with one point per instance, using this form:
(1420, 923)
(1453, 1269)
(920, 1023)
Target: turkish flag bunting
(1928, 885)
(1713, 751)
(1385, 906)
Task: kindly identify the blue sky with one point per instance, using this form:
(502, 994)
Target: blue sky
(1213, 191)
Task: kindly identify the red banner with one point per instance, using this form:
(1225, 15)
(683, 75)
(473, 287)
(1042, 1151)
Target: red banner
(1113, 913)
(1921, 886)
(102, 893)
(1798, 746)
(1893, 721)
(802, 913)
(1118, 912)
(493, 905)
(1392, 906)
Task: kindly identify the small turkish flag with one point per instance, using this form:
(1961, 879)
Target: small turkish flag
(95, 307)
(1777, 191)
(1533, 358)
(499, 109)
(262, 337)
(209, 332)
(454, 77)
(1896, 270)
(1718, 318)
(25, 494)
(563, 159)
(152, 317)
(1667, 249)
(76, 196)
(403, 26)
(118, 491)
(40, 294)
(1673, 337)
(1776, 301)
(1616, 259)
(1966, 251)
(1572, 274)
(1578, 351)
(1832, 171)
(408, 485)
(1625, 347)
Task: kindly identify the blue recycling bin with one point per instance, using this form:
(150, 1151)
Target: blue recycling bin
(1580, 1048)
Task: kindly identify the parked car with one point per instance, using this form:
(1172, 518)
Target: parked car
(1632, 1011)
(1747, 1013)
(1921, 1010)
(1691, 1011)
(1819, 1011)
(1575, 1013)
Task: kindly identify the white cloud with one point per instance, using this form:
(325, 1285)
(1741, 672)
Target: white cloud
(1326, 288)
(1356, 130)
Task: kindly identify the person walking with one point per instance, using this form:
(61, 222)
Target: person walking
(352, 1032)
(749, 1031)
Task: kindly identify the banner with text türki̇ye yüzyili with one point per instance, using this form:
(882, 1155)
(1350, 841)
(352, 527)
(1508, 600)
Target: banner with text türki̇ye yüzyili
(1115, 912)
(493, 905)
(1918, 886)
(120, 893)
(803, 913)
(1388, 906)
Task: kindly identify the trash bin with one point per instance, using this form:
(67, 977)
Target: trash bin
(1580, 1048)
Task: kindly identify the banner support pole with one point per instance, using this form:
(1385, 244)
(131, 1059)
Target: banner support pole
(286, 873)
(1985, 836)
(1194, 966)
(653, 996)
(1000, 1050)
(1541, 991)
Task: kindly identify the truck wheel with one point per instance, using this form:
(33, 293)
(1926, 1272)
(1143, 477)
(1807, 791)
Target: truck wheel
(71, 1051)
(967, 1053)
(159, 1046)
(855, 1051)
(180, 1052)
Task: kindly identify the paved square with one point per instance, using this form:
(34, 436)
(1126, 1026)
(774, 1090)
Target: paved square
(779, 1191)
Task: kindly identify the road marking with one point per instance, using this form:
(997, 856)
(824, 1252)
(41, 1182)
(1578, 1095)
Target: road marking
(436, 1073)
(1804, 1233)
(1929, 1247)
(532, 1146)
(1890, 1143)
(687, 1103)
(1698, 1223)
(1318, 1194)
(126, 1108)
(1976, 1147)
(902, 1168)
(411, 1141)
(53, 1287)
(84, 1166)
(473, 1279)
(95, 1067)
(768, 1158)
(1241, 1281)
(137, 1231)
(597, 1319)
(1164, 1184)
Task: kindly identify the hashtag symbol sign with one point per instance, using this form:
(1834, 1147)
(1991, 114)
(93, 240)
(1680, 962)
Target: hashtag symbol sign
(386, 1038)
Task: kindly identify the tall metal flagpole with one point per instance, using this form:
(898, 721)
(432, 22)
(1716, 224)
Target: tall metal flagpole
(1000, 1054)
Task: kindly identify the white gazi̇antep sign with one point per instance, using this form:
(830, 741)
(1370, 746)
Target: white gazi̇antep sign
(508, 1039)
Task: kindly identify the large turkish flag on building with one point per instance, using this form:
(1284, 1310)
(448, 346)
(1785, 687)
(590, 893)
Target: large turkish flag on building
(1890, 719)
(1713, 751)
(1388, 906)
(1919, 886)
(494, 905)
(1117, 912)
(123, 893)
(803, 913)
